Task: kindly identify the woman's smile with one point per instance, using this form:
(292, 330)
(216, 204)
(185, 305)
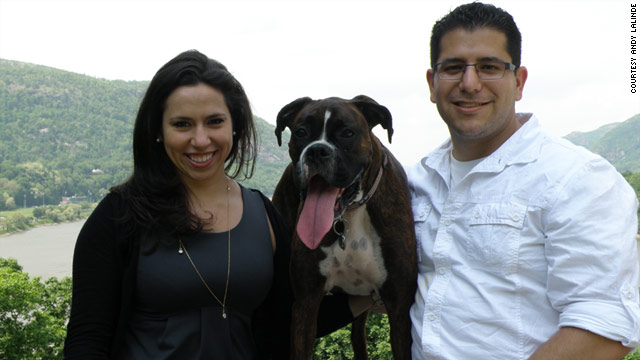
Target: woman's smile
(197, 132)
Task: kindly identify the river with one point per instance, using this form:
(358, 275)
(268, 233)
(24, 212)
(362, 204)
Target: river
(45, 251)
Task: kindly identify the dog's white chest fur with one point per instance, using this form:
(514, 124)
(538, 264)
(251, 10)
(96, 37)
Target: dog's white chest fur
(359, 268)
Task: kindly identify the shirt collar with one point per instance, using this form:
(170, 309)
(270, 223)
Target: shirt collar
(519, 148)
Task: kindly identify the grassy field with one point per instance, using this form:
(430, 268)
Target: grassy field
(24, 211)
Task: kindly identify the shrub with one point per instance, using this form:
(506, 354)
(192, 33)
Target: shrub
(39, 212)
(633, 356)
(33, 314)
(337, 345)
(54, 214)
(17, 222)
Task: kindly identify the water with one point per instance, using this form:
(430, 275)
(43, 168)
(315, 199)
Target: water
(45, 251)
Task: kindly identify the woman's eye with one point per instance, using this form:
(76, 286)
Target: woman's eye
(181, 124)
(215, 121)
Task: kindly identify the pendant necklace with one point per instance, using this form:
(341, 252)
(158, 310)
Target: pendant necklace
(182, 249)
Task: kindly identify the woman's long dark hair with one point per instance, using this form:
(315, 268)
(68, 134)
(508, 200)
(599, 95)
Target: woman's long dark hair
(155, 193)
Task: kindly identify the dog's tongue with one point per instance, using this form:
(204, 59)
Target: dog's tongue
(316, 217)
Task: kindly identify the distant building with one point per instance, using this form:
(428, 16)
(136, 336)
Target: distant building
(73, 200)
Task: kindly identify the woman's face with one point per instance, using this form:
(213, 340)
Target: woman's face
(197, 132)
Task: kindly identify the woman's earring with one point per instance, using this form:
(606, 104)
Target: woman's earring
(234, 133)
(158, 140)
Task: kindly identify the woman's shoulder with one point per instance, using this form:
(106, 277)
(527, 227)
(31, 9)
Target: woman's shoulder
(113, 202)
(280, 227)
(256, 192)
(110, 212)
(252, 190)
(271, 209)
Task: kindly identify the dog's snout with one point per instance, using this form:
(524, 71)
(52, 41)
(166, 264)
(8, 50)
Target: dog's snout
(319, 153)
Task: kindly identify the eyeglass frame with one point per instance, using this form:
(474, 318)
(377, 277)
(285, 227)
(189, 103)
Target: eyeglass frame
(507, 66)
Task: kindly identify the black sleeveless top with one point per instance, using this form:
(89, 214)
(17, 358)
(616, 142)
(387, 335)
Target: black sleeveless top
(175, 316)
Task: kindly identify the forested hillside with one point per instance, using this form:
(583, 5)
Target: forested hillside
(618, 142)
(65, 134)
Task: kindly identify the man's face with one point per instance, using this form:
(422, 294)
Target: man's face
(479, 113)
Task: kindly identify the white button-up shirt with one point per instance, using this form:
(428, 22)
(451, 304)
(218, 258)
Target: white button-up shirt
(539, 235)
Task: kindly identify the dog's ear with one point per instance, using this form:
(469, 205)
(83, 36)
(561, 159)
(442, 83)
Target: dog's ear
(287, 114)
(374, 113)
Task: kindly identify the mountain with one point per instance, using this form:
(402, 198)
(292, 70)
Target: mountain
(619, 143)
(64, 134)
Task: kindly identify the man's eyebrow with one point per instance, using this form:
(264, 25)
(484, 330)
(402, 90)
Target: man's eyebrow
(482, 59)
(491, 58)
(452, 60)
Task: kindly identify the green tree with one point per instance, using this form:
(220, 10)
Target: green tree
(633, 356)
(17, 222)
(54, 214)
(33, 314)
(337, 345)
(71, 212)
(634, 180)
(39, 212)
(7, 202)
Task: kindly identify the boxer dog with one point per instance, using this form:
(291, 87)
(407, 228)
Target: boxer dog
(349, 200)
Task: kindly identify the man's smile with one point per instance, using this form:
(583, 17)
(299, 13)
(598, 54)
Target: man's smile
(470, 106)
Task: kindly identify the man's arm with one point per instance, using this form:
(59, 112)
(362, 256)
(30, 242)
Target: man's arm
(572, 343)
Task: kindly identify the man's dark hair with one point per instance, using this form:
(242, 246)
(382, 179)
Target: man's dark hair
(474, 16)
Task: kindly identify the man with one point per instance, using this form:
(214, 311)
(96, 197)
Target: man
(527, 243)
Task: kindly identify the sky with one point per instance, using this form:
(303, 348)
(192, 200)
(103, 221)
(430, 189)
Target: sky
(578, 53)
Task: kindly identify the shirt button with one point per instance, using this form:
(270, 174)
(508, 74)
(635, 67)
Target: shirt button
(476, 215)
(447, 222)
(515, 217)
(442, 271)
(431, 316)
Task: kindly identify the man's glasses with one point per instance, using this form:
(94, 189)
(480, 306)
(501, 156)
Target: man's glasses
(486, 70)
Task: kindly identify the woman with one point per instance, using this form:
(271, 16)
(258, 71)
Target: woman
(180, 261)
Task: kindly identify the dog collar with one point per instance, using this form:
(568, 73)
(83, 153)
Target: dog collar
(373, 189)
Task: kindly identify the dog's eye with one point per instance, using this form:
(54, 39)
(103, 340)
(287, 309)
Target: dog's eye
(347, 133)
(300, 133)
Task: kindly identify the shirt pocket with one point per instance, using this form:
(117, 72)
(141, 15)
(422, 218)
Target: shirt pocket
(494, 236)
(421, 210)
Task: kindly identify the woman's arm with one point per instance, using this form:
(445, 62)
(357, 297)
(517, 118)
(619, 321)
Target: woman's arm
(95, 298)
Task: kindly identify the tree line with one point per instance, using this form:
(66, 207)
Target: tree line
(65, 134)
(34, 314)
(634, 180)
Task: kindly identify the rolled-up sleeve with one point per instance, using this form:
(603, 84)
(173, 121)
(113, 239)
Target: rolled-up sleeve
(592, 253)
